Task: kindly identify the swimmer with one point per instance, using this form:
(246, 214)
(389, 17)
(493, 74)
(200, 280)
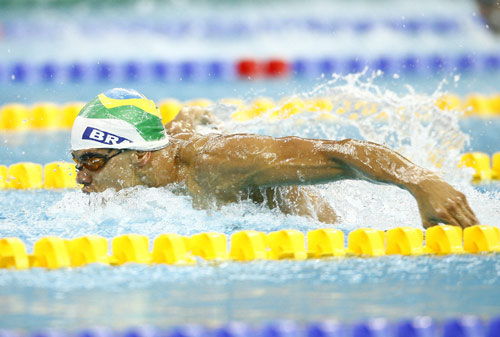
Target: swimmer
(118, 141)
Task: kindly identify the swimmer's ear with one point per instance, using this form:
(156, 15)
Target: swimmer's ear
(143, 158)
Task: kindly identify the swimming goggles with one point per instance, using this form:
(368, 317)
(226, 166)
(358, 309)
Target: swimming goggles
(94, 161)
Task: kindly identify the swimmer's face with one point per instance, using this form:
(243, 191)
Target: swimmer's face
(100, 169)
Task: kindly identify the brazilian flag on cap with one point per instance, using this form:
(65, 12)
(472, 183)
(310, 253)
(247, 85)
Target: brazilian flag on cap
(119, 119)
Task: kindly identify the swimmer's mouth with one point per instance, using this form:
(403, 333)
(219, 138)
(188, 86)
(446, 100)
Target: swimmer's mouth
(87, 189)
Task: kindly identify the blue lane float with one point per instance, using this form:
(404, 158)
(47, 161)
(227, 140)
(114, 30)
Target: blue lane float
(224, 70)
(493, 329)
(417, 327)
(233, 329)
(325, 329)
(466, 326)
(95, 332)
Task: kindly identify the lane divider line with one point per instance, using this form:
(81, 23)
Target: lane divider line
(50, 116)
(249, 245)
(244, 68)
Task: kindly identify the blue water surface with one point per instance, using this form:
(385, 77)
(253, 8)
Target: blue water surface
(348, 289)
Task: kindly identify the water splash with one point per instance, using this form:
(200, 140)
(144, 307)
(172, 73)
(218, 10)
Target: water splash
(154, 211)
(409, 123)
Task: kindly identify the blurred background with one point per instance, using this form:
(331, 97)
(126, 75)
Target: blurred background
(66, 50)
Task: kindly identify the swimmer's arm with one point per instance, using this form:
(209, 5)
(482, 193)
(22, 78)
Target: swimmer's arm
(438, 201)
(306, 161)
(251, 160)
(248, 160)
(188, 119)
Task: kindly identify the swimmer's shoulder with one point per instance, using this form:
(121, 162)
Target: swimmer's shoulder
(194, 145)
(189, 145)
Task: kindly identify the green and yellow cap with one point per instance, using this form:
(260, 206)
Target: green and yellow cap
(119, 119)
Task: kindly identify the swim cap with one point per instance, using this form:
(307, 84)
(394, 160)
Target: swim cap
(119, 119)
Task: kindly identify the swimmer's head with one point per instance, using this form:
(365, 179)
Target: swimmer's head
(119, 119)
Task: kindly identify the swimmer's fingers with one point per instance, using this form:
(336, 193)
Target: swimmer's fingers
(461, 212)
(456, 212)
(465, 216)
(472, 216)
(437, 221)
(439, 203)
(428, 223)
(445, 220)
(438, 215)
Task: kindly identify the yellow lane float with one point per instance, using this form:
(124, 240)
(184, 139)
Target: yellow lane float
(249, 245)
(15, 116)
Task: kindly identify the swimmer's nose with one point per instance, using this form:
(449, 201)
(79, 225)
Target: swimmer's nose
(83, 178)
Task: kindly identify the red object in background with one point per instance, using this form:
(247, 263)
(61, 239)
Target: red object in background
(276, 68)
(248, 68)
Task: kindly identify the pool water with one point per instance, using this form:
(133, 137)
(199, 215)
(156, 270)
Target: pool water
(348, 289)
(256, 292)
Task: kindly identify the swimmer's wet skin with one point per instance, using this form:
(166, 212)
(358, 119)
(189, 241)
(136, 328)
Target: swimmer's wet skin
(228, 168)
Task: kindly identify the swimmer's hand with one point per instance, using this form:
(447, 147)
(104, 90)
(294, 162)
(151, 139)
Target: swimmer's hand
(189, 118)
(439, 202)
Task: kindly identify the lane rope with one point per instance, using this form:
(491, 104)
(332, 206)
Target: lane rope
(51, 116)
(242, 69)
(418, 326)
(248, 245)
